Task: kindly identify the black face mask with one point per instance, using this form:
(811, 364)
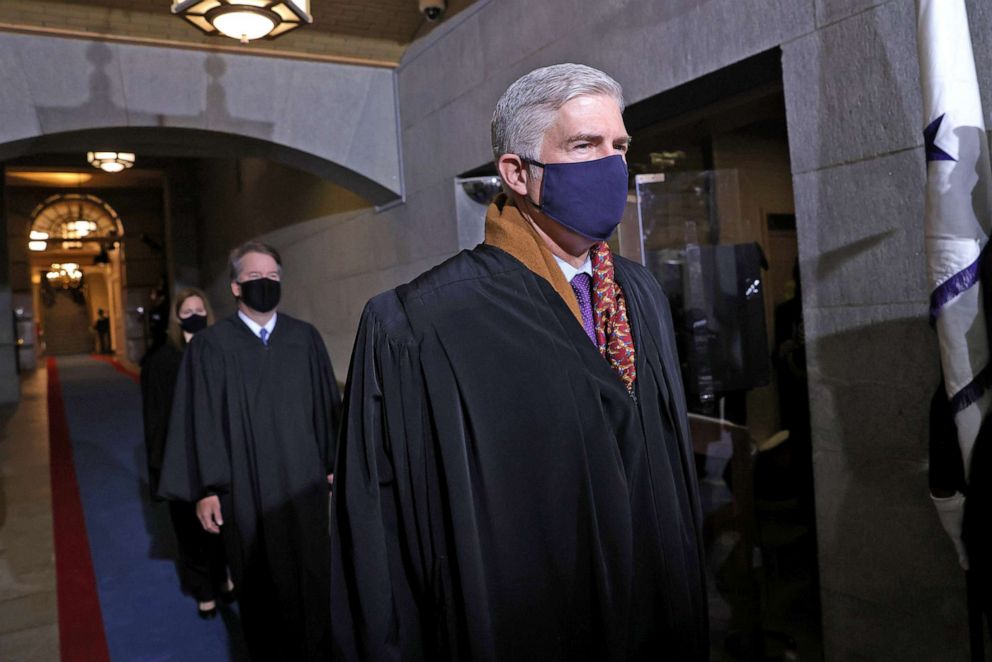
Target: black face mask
(261, 294)
(193, 323)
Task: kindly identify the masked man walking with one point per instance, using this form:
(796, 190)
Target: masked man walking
(252, 442)
(515, 480)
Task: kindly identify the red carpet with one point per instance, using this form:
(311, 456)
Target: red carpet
(81, 633)
(118, 366)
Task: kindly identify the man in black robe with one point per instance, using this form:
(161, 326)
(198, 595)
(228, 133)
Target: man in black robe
(515, 479)
(252, 441)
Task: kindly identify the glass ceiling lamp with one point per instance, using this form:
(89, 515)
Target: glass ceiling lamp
(65, 275)
(244, 20)
(110, 161)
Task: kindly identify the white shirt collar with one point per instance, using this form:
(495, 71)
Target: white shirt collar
(255, 327)
(571, 271)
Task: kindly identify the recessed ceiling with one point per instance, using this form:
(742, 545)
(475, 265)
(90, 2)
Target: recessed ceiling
(370, 31)
(65, 178)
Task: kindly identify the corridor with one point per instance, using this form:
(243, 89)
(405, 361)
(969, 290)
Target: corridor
(87, 566)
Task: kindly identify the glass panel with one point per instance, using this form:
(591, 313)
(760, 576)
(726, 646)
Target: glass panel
(282, 28)
(472, 198)
(201, 23)
(203, 7)
(285, 12)
(704, 253)
(704, 256)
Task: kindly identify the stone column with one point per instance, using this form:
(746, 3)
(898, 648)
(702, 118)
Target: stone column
(10, 384)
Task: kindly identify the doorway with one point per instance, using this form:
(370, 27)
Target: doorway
(715, 223)
(75, 255)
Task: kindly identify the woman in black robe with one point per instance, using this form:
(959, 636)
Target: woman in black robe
(202, 565)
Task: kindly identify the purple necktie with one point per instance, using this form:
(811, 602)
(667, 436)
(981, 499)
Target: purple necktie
(263, 333)
(580, 285)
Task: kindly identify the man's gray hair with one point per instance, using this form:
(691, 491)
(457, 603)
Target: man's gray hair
(234, 260)
(527, 109)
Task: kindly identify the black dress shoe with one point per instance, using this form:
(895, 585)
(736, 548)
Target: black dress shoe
(207, 614)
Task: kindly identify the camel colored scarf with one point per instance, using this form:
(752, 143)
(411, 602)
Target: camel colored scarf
(508, 230)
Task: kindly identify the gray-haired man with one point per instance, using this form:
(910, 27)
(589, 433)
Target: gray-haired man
(515, 480)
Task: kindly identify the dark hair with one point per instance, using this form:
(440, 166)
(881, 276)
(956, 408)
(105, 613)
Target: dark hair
(251, 247)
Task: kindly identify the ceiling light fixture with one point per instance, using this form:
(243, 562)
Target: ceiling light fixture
(110, 161)
(244, 20)
(66, 275)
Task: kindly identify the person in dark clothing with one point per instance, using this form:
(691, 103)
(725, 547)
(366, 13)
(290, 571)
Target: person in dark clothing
(202, 565)
(515, 479)
(252, 441)
(158, 314)
(102, 328)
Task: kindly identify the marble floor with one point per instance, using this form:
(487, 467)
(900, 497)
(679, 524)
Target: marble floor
(28, 616)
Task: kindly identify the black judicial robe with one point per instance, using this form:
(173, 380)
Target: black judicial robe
(200, 554)
(159, 372)
(947, 474)
(256, 425)
(498, 494)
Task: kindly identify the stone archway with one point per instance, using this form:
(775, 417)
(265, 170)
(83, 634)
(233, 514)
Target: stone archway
(336, 121)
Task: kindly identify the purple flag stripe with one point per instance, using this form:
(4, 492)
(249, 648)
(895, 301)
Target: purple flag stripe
(952, 287)
(934, 153)
(974, 390)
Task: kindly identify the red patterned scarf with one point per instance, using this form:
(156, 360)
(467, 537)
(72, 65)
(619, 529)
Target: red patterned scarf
(609, 310)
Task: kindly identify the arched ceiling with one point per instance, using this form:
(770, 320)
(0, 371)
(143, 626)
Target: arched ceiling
(374, 32)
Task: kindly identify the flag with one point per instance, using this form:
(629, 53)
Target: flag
(957, 222)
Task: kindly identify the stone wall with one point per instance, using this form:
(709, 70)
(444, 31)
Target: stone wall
(891, 589)
(322, 232)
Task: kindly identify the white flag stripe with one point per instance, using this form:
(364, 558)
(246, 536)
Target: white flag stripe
(969, 421)
(949, 62)
(958, 206)
(948, 255)
(964, 350)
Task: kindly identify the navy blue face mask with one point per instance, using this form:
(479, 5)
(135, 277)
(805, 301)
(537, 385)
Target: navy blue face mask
(587, 197)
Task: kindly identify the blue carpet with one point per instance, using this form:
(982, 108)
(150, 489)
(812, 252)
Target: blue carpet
(145, 614)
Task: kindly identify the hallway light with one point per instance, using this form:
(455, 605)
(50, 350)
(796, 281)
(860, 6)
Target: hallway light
(244, 20)
(110, 161)
(65, 275)
(79, 229)
(37, 241)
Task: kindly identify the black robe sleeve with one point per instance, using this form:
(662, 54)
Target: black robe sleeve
(195, 463)
(158, 381)
(154, 417)
(327, 401)
(946, 463)
(378, 590)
